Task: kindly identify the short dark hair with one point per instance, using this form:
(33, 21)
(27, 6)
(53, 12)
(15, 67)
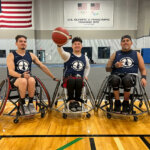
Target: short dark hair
(76, 39)
(126, 36)
(20, 36)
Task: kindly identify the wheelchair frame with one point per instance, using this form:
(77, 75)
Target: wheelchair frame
(40, 91)
(62, 95)
(138, 93)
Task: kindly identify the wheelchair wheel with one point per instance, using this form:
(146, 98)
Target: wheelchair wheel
(16, 121)
(4, 91)
(108, 115)
(135, 118)
(64, 116)
(41, 94)
(42, 113)
(88, 115)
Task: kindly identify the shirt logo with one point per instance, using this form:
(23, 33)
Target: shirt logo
(23, 65)
(77, 65)
(127, 62)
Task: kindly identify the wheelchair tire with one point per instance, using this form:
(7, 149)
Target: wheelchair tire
(44, 92)
(88, 115)
(16, 121)
(64, 116)
(42, 113)
(135, 118)
(108, 115)
(4, 92)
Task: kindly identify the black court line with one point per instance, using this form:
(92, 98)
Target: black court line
(92, 143)
(82, 135)
(145, 142)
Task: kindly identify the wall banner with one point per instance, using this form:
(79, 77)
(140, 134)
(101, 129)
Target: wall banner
(88, 14)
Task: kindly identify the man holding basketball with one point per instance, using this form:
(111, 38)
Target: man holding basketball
(76, 68)
(19, 65)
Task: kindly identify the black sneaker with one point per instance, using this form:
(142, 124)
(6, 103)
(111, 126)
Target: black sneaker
(78, 107)
(117, 106)
(125, 105)
(72, 106)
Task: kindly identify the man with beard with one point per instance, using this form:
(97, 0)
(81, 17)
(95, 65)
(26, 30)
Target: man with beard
(19, 69)
(121, 64)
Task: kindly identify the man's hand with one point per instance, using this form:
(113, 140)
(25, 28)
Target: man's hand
(143, 82)
(86, 78)
(119, 64)
(26, 75)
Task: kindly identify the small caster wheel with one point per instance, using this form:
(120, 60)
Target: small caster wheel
(135, 118)
(42, 113)
(65, 116)
(16, 121)
(88, 115)
(108, 116)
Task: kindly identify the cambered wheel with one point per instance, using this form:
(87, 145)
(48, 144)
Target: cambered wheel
(135, 118)
(88, 115)
(108, 116)
(64, 116)
(4, 92)
(16, 121)
(42, 113)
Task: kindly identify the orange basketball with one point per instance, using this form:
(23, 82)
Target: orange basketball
(60, 36)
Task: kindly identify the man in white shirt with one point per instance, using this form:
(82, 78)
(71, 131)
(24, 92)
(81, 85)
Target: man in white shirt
(76, 68)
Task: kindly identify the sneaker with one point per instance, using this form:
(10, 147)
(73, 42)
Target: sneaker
(117, 106)
(24, 109)
(32, 108)
(125, 105)
(77, 106)
(72, 106)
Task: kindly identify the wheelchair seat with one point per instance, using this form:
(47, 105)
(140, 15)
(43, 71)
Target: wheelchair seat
(60, 100)
(10, 93)
(138, 100)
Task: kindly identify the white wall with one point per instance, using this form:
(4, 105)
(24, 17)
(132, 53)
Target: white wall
(49, 15)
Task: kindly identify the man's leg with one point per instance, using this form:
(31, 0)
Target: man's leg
(78, 88)
(21, 83)
(127, 82)
(31, 92)
(70, 91)
(115, 82)
(78, 91)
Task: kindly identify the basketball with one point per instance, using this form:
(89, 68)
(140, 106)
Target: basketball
(60, 36)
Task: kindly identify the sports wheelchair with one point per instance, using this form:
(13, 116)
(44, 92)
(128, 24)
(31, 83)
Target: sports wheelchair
(60, 103)
(10, 93)
(138, 100)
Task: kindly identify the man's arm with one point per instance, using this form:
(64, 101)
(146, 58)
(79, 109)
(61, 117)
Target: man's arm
(64, 55)
(11, 66)
(110, 62)
(42, 66)
(87, 68)
(142, 69)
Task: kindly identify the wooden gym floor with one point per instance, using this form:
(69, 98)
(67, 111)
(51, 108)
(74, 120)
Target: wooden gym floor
(75, 133)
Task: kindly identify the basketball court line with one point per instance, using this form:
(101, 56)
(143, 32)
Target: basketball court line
(145, 142)
(82, 135)
(79, 137)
